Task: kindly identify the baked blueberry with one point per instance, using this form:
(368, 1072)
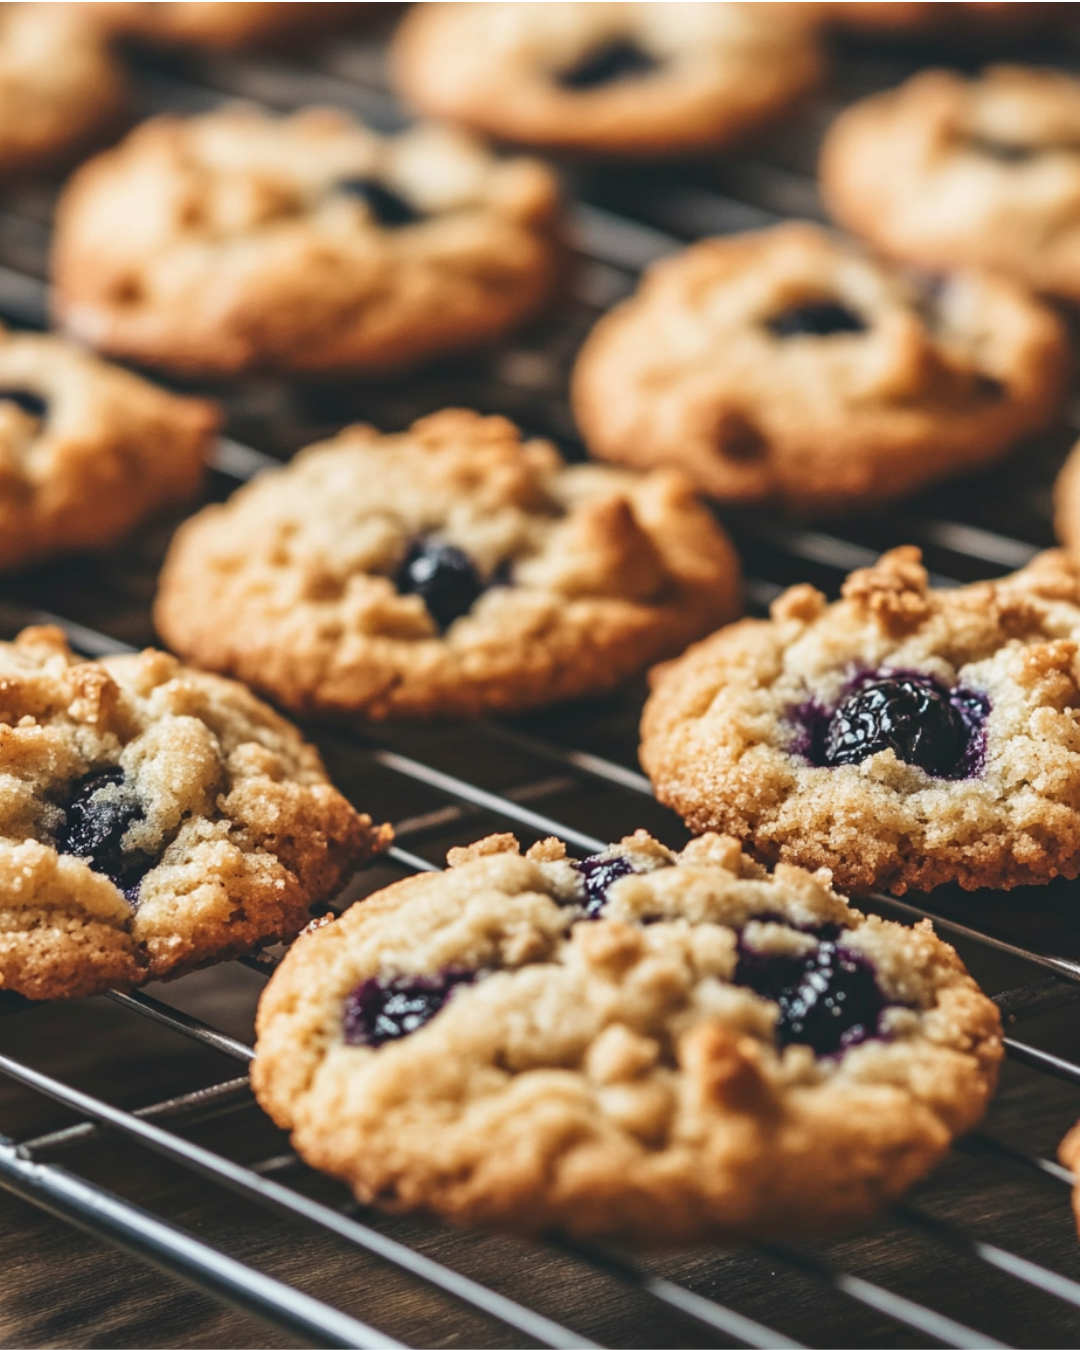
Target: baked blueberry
(380, 1010)
(618, 60)
(825, 318)
(445, 578)
(598, 873)
(389, 208)
(102, 809)
(829, 999)
(27, 400)
(920, 721)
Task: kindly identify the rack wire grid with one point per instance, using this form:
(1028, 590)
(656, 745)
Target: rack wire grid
(129, 1117)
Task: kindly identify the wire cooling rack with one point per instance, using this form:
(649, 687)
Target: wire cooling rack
(129, 1117)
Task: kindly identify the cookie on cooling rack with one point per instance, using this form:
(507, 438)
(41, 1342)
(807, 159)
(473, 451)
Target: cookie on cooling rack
(241, 241)
(60, 89)
(451, 569)
(784, 365)
(87, 449)
(902, 737)
(152, 819)
(645, 1045)
(950, 171)
(614, 78)
(219, 23)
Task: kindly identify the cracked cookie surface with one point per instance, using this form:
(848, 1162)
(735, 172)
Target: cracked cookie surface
(785, 365)
(648, 1046)
(87, 449)
(948, 171)
(614, 78)
(902, 737)
(239, 241)
(453, 568)
(152, 819)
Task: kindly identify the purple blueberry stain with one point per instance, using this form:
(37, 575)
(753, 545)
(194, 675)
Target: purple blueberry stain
(443, 576)
(99, 813)
(387, 1009)
(924, 723)
(598, 873)
(829, 999)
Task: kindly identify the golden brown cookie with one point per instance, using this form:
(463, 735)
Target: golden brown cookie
(152, 819)
(649, 1046)
(902, 737)
(87, 449)
(615, 78)
(785, 365)
(239, 241)
(450, 569)
(220, 23)
(949, 171)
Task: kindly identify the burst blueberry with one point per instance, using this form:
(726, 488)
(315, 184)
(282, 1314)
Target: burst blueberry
(390, 208)
(100, 811)
(920, 721)
(381, 1010)
(829, 999)
(822, 319)
(445, 578)
(598, 873)
(619, 60)
(25, 399)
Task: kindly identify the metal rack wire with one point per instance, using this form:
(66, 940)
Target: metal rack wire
(940, 1270)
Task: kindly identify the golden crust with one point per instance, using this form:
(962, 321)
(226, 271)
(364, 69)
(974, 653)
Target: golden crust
(288, 586)
(110, 449)
(947, 171)
(721, 737)
(606, 1078)
(688, 374)
(226, 243)
(235, 807)
(725, 70)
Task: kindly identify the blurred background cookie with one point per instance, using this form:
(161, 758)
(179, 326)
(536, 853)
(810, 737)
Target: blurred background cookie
(947, 171)
(221, 23)
(61, 91)
(451, 569)
(87, 449)
(243, 241)
(613, 78)
(785, 365)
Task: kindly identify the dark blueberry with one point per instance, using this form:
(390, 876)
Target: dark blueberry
(829, 999)
(823, 319)
(922, 723)
(381, 1010)
(1003, 151)
(618, 60)
(27, 400)
(599, 872)
(95, 823)
(444, 577)
(389, 208)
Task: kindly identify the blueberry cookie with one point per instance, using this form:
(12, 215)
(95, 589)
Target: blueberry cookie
(644, 1045)
(615, 78)
(450, 569)
(86, 449)
(783, 365)
(220, 23)
(1069, 1156)
(950, 171)
(239, 241)
(902, 737)
(152, 819)
(60, 89)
